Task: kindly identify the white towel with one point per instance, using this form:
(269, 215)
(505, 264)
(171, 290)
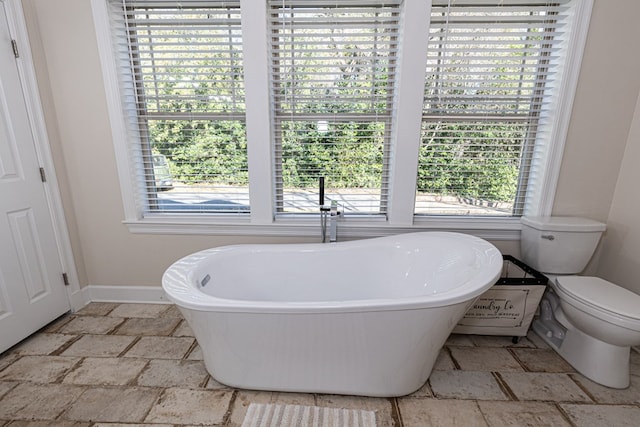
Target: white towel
(270, 415)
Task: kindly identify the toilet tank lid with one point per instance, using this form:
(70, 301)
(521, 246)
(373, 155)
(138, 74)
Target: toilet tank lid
(562, 223)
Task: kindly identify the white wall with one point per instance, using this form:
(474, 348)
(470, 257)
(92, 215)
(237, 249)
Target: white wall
(75, 108)
(602, 113)
(620, 254)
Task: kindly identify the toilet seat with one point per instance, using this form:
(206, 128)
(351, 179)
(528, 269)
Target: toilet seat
(602, 299)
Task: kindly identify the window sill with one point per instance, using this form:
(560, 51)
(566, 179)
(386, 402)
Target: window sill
(349, 228)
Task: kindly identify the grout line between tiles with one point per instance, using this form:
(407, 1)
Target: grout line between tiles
(396, 415)
(453, 359)
(161, 391)
(226, 419)
(191, 349)
(505, 387)
(134, 342)
(116, 328)
(134, 381)
(583, 388)
(175, 328)
(65, 346)
(564, 414)
(62, 376)
(520, 362)
(484, 416)
(64, 321)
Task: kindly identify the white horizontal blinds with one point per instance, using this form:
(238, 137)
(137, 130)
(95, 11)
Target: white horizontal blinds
(332, 77)
(186, 96)
(489, 81)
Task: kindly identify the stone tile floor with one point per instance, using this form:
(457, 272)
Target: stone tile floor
(138, 364)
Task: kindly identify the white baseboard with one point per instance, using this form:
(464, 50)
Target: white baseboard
(125, 294)
(79, 298)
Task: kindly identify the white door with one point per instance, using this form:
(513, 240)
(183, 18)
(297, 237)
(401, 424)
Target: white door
(32, 291)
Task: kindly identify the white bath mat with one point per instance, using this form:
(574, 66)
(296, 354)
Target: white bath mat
(269, 415)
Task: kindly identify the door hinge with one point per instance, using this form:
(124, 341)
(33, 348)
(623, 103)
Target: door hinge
(14, 45)
(43, 176)
(65, 279)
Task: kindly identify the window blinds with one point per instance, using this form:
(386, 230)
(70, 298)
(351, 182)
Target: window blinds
(183, 94)
(332, 82)
(491, 71)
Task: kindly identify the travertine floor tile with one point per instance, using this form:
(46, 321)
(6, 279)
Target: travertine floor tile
(382, 407)
(124, 405)
(105, 371)
(245, 397)
(97, 309)
(602, 394)
(148, 371)
(139, 310)
(499, 341)
(186, 406)
(544, 386)
(132, 425)
(58, 323)
(137, 326)
(634, 363)
(174, 373)
(484, 359)
(465, 385)
(38, 401)
(173, 311)
(536, 340)
(90, 325)
(542, 360)
(422, 392)
(212, 384)
(160, 348)
(534, 414)
(5, 387)
(99, 346)
(50, 423)
(459, 340)
(602, 415)
(184, 330)
(7, 359)
(196, 354)
(440, 413)
(43, 344)
(39, 369)
(444, 362)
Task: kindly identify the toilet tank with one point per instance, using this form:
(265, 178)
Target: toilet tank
(559, 244)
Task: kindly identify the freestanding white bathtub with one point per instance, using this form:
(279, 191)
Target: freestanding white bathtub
(365, 317)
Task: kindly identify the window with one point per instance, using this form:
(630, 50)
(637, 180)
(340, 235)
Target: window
(184, 93)
(333, 79)
(489, 79)
(418, 114)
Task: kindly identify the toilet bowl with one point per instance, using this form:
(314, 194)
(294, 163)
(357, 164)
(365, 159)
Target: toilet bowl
(601, 309)
(590, 322)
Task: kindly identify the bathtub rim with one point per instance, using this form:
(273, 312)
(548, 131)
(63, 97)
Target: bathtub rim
(186, 294)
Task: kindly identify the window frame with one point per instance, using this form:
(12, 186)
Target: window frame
(405, 142)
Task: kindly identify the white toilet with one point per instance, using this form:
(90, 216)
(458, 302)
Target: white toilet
(590, 322)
